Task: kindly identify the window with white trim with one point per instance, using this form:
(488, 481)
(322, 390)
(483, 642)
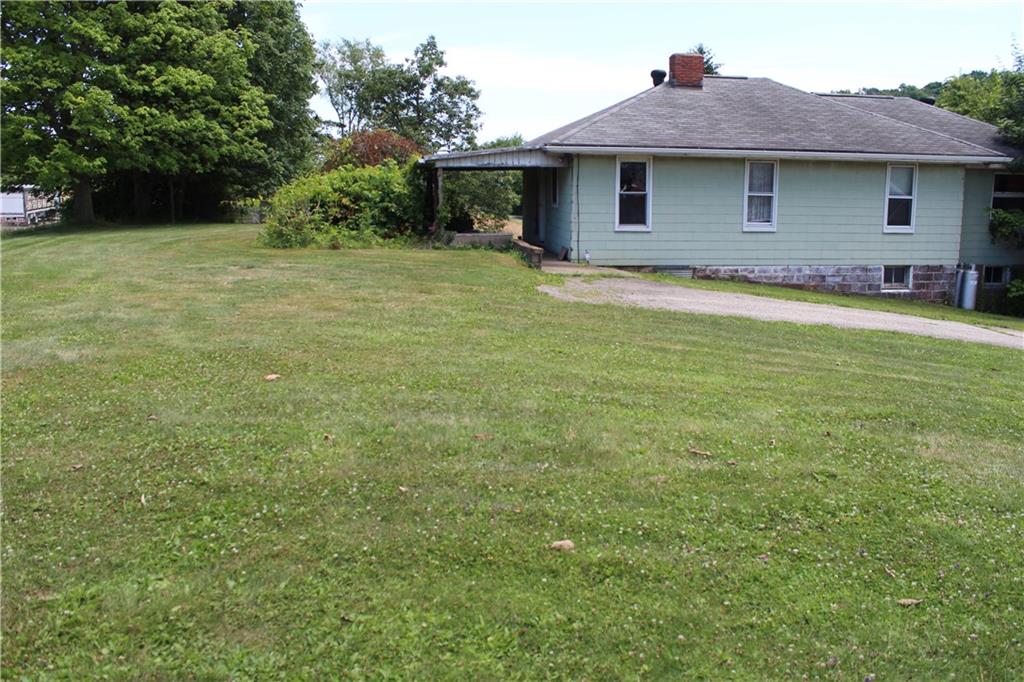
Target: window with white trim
(1008, 192)
(633, 197)
(760, 189)
(900, 197)
(895, 277)
(554, 187)
(995, 276)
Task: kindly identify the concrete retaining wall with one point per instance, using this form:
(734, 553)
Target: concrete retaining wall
(534, 254)
(482, 239)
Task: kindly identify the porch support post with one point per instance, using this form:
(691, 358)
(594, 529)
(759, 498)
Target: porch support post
(440, 188)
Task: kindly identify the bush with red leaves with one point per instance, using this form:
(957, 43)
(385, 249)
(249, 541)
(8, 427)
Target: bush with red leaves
(369, 148)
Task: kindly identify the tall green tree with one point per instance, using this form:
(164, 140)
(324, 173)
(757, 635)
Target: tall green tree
(193, 110)
(60, 114)
(282, 66)
(167, 94)
(351, 72)
(974, 95)
(1011, 121)
(413, 99)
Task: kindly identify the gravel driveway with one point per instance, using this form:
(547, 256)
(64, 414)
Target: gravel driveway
(647, 294)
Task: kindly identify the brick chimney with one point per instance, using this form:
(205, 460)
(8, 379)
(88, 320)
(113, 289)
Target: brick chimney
(686, 69)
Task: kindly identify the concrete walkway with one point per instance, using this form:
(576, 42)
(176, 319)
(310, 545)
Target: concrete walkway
(644, 293)
(563, 267)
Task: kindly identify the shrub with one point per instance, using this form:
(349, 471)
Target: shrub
(346, 207)
(1007, 226)
(1015, 298)
(369, 148)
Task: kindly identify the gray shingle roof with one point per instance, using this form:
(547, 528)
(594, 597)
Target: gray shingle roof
(757, 114)
(933, 118)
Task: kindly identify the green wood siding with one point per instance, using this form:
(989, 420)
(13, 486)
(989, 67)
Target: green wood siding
(828, 214)
(975, 242)
(558, 225)
(537, 208)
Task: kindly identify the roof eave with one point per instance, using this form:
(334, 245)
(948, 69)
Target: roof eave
(607, 150)
(527, 156)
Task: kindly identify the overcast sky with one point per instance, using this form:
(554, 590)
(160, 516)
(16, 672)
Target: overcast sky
(540, 65)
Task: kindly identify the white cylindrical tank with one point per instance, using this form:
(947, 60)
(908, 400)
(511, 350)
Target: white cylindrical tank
(970, 289)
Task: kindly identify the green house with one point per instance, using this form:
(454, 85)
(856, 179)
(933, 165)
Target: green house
(750, 179)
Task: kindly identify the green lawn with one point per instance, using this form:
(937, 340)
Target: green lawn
(383, 509)
(891, 305)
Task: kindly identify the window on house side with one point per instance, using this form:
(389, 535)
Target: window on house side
(633, 204)
(901, 183)
(896, 277)
(759, 196)
(994, 275)
(554, 187)
(1008, 192)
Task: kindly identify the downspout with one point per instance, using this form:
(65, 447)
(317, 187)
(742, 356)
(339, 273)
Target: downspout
(575, 221)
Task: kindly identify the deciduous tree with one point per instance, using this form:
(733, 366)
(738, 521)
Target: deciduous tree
(413, 99)
(978, 95)
(103, 94)
(61, 112)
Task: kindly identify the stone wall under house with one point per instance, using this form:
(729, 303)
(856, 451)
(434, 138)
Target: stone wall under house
(927, 282)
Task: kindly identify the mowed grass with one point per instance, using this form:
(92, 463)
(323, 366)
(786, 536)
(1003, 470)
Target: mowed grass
(383, 509)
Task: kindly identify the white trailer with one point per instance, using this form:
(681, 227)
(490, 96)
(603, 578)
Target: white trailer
(27, 207)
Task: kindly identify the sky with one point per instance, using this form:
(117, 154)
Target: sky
(540, 65)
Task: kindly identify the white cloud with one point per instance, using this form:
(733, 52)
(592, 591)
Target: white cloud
(505, 69)
(531, 92)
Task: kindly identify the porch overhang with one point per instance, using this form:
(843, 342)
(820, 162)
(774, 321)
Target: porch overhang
(502, 158)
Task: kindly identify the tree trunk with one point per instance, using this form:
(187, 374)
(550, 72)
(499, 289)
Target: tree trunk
(180, 195)
(81, 206)
(170, 197)
(141, 195)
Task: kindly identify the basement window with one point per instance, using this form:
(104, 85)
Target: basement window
(896, 277)
(633, 200)
(995, 276)
(761, 184)
(901, 190)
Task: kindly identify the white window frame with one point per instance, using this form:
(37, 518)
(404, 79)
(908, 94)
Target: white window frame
(650, 193)
(760, 227)
(1003, 281)
(900, 229)
(899, 287)
(553, 187)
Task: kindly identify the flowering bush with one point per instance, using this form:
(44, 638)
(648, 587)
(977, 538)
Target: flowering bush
(369, 148)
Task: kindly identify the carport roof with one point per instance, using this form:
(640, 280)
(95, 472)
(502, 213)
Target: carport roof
(497, 159)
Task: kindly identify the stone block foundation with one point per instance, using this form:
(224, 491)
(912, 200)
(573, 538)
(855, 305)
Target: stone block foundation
(927, 282)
